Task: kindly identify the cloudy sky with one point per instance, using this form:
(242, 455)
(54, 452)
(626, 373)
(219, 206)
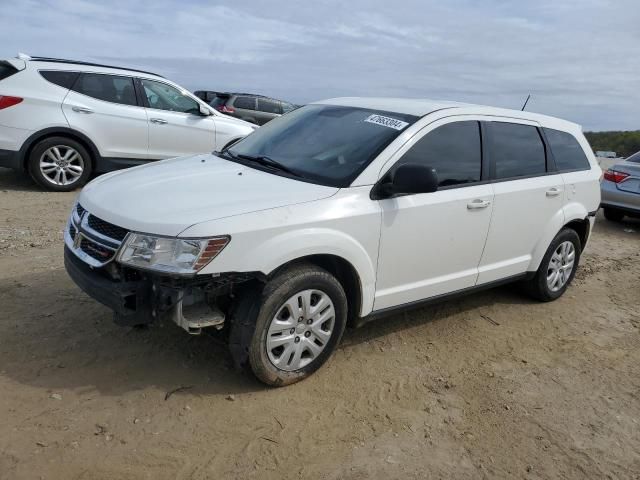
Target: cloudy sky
(578, 58)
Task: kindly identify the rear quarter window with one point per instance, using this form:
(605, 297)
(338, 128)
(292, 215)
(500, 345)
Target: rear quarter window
(635, 158)
(62, 79)
(6, 70)
(567, 152)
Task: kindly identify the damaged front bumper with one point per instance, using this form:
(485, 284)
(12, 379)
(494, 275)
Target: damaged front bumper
(139, 298)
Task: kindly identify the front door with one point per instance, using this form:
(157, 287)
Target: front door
(176, 126)
(431, 243)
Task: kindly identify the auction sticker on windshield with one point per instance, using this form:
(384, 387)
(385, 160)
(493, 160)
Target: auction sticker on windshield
(386, 121)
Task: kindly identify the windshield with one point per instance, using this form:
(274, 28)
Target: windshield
(325, 144)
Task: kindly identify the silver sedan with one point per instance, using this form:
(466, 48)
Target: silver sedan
(621, 189)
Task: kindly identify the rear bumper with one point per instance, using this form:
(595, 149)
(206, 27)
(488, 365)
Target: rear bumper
(10, 159)
(613, 197)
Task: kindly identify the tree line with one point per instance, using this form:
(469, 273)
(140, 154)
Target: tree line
(623, 143)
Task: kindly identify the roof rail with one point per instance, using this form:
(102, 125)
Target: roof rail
(88, 64)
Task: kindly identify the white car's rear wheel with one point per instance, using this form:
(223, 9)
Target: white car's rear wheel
(557, 268)
(59, 164)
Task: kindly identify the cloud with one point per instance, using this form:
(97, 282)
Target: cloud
(576, 57)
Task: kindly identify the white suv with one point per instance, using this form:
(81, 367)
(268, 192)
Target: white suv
(339, 212)
(62, 120)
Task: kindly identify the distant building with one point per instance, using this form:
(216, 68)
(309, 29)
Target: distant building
(606, 154)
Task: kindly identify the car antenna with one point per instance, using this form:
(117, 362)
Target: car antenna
(525, 103)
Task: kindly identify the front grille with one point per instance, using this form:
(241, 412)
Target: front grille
(96, 251)
(107, 229)
(92, 239)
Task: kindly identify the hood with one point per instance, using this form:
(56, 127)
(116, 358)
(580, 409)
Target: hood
(169, 196)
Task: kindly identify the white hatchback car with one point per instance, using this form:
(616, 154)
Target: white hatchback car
(339, 212)
(62, 120)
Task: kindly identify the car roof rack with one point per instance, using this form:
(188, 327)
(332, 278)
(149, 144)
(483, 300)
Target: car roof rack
(88, 64)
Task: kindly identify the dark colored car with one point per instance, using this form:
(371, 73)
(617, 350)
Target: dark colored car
(250, 107)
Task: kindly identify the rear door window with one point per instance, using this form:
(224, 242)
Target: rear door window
(454, 150)
(269, 106)
(62, 79)
(517, 150)
(110, 88)
(246, 103)
(567, 152)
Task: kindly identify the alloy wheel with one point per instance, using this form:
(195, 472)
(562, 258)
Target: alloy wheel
(61, 165)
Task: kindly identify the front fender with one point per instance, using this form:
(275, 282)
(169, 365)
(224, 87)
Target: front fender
(289, 246)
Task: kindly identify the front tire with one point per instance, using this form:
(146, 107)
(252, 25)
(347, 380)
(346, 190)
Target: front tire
(302, 317)
(557, 268)
(59, 164)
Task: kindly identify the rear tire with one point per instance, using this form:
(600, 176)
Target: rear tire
(554, 274)
(301, 319)
(613, 215)
(59, 164)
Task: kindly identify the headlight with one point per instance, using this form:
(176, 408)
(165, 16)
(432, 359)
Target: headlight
(171, 255)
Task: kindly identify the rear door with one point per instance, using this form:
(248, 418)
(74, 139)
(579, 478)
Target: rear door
(176, 126)
(245, 108)
(105, 108)
(268, 109)
(528, 196)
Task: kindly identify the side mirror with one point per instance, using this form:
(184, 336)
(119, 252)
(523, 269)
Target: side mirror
(204, 111)
(407, 179)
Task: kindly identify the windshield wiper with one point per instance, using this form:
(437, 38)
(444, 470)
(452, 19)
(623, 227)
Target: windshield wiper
(265, 161)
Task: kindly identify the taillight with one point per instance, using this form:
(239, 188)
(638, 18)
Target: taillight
(226, 109)
(614, 176)
(6, 102)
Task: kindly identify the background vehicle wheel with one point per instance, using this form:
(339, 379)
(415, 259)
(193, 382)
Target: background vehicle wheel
(301, 320)
(59, 164)
(558, 267)
(613, 215)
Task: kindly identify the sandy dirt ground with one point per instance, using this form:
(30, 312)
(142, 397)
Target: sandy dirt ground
(491, 386)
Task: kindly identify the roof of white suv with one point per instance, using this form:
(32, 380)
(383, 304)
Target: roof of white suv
(75, 65)
(422, 107)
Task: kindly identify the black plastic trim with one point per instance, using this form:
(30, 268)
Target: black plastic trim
(10, 159)
(385, 312)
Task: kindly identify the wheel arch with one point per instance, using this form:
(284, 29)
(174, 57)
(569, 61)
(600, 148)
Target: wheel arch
(32, 141)
(344, 272)
(573, 216)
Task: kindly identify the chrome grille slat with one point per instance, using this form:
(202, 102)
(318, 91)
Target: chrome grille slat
(92, 239)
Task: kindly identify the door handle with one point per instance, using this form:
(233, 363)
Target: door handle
(554, 192)
(477, 204)
(159, 121)
(81, 109)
